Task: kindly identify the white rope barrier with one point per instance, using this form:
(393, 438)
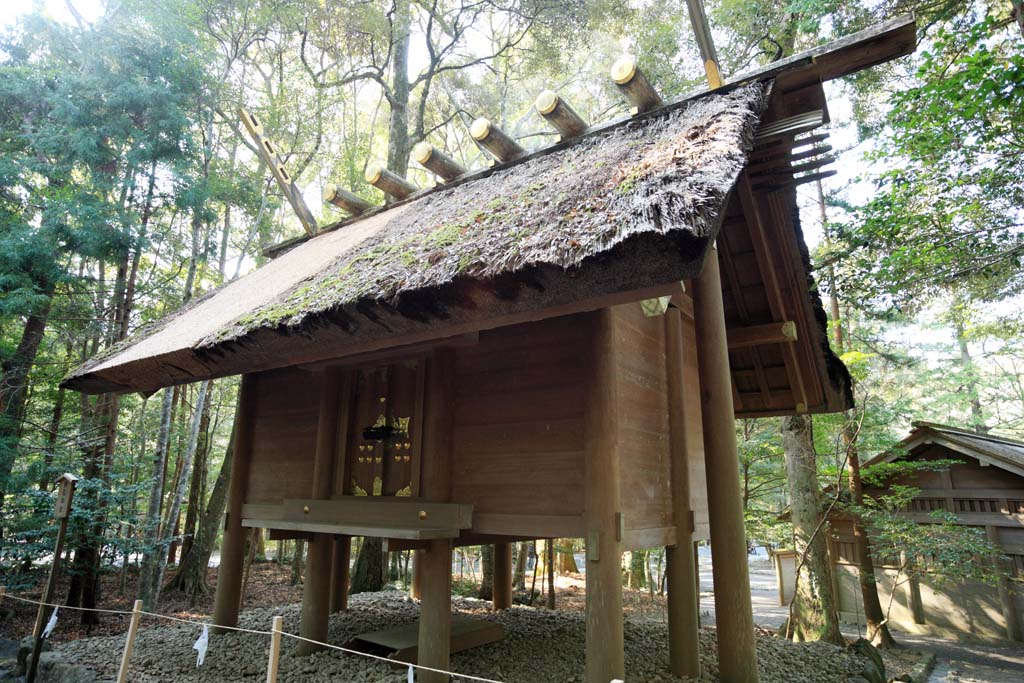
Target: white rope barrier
(467, 677)
(275, 633)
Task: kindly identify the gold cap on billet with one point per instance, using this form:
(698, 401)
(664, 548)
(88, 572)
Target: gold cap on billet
(373, 172)
(624, 69)
(422, 151)
(546, 102)
(480, 129)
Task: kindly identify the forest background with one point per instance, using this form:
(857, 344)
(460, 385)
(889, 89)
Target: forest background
(127, 188)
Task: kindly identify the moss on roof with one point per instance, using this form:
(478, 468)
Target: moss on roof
(660, 174)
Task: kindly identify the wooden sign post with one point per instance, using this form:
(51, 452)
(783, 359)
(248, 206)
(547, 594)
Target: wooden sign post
(62, 510)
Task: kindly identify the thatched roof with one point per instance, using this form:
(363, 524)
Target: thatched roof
(620, 211)
(620, 214)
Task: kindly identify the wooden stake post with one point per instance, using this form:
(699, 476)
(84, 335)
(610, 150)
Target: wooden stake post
(62, 510)
(275, 649)
(129, 642)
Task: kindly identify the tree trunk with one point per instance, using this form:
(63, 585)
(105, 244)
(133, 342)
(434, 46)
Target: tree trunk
(297, 562)
(970, 373)
(14, 386)
(195, 489)
(398, 128)
(638, 569)
(486, 591)
(368, 573)
(519, 573)
(812, 613)
(46, 476)
(877, 629)
(186, 465)
(191, 576)
(152, 547)
(566, 560)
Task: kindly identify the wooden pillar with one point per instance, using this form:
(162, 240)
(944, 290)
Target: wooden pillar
(316, 590)
(340, 573)
(232, 549)
(604, 636)
(434, 565)
(435, 611)
(683, 620)
(502, 592)
(733, 613)
(1010, 616)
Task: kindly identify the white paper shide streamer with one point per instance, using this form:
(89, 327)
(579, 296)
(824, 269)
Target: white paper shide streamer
(411, 675)
(51, 624)
(202, 642)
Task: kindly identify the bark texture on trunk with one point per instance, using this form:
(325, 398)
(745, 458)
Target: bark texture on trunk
(14, 387)
(368, 572)
(191, 576)
(812, 614)
(486, 591)
(519, 573)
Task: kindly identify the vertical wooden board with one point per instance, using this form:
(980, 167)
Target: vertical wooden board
(643, 417)
(284, 435)
(518, 434)
(695, 440)
(401, 409)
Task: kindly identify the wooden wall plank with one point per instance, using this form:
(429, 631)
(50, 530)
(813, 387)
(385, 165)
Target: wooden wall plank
(284, 435)
(518, 435)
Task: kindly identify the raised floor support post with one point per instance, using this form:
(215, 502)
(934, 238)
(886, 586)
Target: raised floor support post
(501, 595)
(683, 598)
(228, 597)
(435, 632)
(316, 590)
(605, 659)
(733, 613)
(433, 570)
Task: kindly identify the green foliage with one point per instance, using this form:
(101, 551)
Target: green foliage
(947, 210)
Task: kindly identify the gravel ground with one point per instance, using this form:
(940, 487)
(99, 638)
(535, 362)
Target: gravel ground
(541, 646)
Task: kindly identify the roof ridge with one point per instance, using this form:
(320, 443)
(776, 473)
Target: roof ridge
(987, 436)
